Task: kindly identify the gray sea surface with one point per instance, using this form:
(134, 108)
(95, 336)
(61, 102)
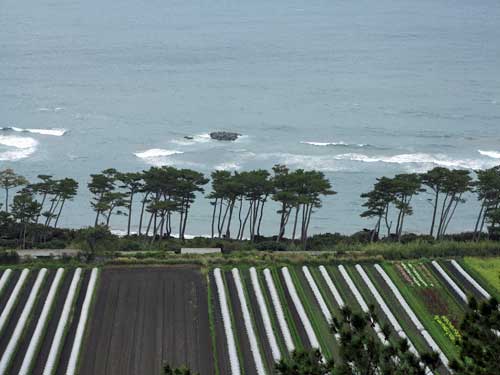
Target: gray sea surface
(356, 89)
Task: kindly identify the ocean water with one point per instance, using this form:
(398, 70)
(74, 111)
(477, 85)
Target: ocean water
(357, 89)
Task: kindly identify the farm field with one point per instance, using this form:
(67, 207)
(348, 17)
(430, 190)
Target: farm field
(420, 301)
(42, 313)
(145, 316)
(131, 320)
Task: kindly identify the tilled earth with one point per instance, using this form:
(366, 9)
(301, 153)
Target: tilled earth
(144, 317)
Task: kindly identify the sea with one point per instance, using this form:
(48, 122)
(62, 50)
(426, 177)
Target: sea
(356, 89)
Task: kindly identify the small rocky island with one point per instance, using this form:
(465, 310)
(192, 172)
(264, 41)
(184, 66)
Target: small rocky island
(224, 136)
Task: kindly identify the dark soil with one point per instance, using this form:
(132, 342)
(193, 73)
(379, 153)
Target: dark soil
(144, 317)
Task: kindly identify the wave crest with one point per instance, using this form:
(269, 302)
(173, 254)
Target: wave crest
(157, 156)
(419, 158)
(57, 132)
(23, 147)
(340, 143)
(490, 154)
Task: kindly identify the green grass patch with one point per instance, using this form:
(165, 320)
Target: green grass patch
(486, 271)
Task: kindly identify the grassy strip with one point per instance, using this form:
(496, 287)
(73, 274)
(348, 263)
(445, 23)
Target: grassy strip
(318, 321)
(398, 312)
(427, 319)
(485, 271)
(288, 315)
(211, 322)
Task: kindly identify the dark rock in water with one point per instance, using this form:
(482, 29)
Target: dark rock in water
(224, 136)
(188, 137)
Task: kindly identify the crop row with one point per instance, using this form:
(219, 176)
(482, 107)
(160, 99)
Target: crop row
(31, 305)
(295, 304)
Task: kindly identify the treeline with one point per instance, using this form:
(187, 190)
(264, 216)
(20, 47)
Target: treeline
(166, 195)
(390, 201)
(36, 206)
(158, 201)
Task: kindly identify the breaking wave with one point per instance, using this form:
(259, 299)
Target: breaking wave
(57, 132)
(490, 154)
(18, 147)
(333, 163)
(341, 143)
(157, 156)
(420, 158)
(156, 152)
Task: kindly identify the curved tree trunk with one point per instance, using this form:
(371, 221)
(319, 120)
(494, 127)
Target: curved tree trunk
(434, 213)
(142, 212)
(478, 221)
(297, 209)
(245, 221)
(260, 216)
(213, 217)
(59, 213)
(130, 212)
(228, 229)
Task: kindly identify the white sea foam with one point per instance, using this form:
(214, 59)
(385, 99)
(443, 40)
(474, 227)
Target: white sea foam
(491, 154)
(57, 132)
(419, 158)
(340, 143)
(229, 166)
(156, 152)
(22, 147)
(157, 156)
(420, 162)
(46, 109)
(323, 163)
